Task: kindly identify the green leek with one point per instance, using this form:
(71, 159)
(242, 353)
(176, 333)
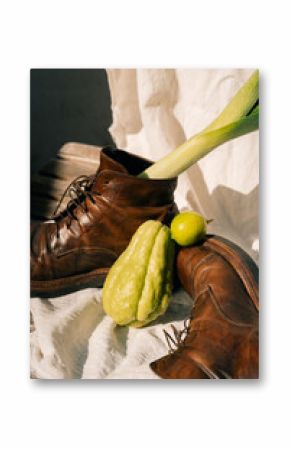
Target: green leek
(240, 116)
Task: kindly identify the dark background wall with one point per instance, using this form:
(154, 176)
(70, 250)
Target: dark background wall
(68, 105)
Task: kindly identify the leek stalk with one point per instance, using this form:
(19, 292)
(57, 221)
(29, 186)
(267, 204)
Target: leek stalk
(232, 122)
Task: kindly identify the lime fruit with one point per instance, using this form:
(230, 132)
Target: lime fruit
(187, 228)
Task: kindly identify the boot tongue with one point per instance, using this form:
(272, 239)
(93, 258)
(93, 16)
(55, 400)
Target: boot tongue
(107, 162)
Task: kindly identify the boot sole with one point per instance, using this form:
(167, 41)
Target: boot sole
(63, 286)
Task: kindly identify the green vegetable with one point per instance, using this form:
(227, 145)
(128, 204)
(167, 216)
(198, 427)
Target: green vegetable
(188, 228)
(138, 286)
(240, 105)
(238, 118)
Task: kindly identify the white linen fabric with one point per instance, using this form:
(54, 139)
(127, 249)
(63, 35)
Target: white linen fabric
(154, 110)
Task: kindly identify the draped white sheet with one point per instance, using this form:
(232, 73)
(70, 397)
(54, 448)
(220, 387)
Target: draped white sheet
(153, 112)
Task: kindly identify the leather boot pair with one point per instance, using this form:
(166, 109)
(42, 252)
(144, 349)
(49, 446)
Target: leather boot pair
(76, 248)
(220, 340)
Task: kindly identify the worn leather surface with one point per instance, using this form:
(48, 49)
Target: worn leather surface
(222, 336)
(104, 220)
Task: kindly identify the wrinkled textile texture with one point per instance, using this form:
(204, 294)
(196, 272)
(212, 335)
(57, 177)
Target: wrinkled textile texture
(153, 112)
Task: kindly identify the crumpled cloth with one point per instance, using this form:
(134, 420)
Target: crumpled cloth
(154, 110)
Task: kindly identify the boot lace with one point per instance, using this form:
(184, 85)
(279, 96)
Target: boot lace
(178, 339)
(78, 191)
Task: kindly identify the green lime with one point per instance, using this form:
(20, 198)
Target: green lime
(188, 228)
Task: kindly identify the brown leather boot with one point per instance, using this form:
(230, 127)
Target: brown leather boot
(221, 337)
(76, 248)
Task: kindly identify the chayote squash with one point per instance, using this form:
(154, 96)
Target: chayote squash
(138, 286)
